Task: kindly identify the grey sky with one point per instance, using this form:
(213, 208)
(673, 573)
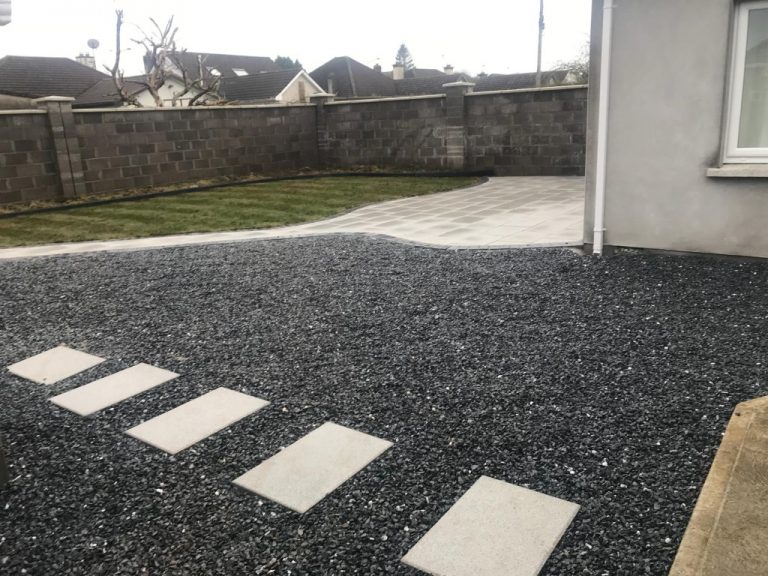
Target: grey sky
(481, 36)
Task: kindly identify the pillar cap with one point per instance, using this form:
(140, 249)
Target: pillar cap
(458, 84)
(45, 99)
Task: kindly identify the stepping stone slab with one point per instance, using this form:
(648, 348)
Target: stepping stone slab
(495, 529)
(115, 388)
(54, 365)
(308, 470)
(186, 425)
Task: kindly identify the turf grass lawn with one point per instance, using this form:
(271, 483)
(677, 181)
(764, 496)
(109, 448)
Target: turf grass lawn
(263, 205)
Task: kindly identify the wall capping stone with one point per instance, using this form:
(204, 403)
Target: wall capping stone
(187, 108)
(525, 90)
(393, 99)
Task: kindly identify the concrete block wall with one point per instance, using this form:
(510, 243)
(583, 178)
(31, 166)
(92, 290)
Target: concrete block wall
(389, 133)
(56, 152)
(27, 157)
(123, 149)
(527, 133)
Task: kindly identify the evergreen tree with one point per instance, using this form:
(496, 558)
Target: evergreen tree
(285, 63)
(404, 58)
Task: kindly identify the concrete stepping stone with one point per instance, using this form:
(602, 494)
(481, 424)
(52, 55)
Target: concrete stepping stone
(112, 389)
(54, 365)
(494, 529)
(308, 470)
(189, 423)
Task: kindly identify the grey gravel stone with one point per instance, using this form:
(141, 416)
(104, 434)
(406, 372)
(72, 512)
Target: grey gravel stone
(606, 383)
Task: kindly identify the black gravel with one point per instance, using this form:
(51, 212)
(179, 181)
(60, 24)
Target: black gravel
(607, 383)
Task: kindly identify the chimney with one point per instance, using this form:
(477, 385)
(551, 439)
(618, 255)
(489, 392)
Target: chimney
(448, 69)
(86, 60)
(398, 71)
(331, 78)
(377, 67)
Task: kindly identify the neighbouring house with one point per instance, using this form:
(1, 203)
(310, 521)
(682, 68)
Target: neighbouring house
(230, 68)
(104, 94)
(493, 82)
(281, 86)
(223, 65)
(35, 77)
(428, 85)
(400, 72)
(681, 159)
(348, 78)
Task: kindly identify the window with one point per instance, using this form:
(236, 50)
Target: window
(240, 71)
(747, 131)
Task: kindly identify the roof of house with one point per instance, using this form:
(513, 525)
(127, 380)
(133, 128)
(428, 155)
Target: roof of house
(226, 64)
(351, 79)
(262, 86)
(104, 93)
(430, 85)
(36, 77)
(419, 73)
(517, 81)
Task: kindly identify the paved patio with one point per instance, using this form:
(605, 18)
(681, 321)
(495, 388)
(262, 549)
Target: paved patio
(503, 212)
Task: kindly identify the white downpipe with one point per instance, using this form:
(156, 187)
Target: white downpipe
(602, 127)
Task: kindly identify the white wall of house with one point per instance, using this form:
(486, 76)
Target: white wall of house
(299, 90)
(670, 64)
(166, 92)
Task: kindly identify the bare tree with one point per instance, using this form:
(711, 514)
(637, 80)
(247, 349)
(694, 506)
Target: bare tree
(577, 66)
(162, 59)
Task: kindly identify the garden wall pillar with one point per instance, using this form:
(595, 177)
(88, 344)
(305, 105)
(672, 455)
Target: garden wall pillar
(323, 142)
(456, 125)
(68, 159)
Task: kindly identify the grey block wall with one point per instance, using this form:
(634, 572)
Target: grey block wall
(529, 133)
(403, 134)
(27, 158)
(143, 148)
(64, 153)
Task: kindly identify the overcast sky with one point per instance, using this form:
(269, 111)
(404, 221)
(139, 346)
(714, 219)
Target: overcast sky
(472, 36)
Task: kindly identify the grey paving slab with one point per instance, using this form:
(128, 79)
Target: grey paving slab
(308, 470)
(105, 392)
(194, 421)
(54, 365)
(495, 529)
(525, 201)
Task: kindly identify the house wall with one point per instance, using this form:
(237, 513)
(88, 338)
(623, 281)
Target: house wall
(667, 98)
(292, 94)
(166, 92)
(124, 149)
(528, 133)
(27, 157)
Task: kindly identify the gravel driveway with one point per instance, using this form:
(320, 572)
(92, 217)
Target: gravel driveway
(605, 383)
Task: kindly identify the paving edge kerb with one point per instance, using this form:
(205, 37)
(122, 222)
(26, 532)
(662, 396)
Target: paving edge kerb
(698, 539)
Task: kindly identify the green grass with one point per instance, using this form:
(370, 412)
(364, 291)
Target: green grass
(232, 208)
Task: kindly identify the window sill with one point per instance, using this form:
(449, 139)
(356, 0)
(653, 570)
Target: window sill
(739, 171)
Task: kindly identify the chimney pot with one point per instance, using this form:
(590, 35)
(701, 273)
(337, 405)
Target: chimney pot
(377, 67)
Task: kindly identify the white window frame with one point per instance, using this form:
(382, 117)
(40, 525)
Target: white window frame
(734, 154)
